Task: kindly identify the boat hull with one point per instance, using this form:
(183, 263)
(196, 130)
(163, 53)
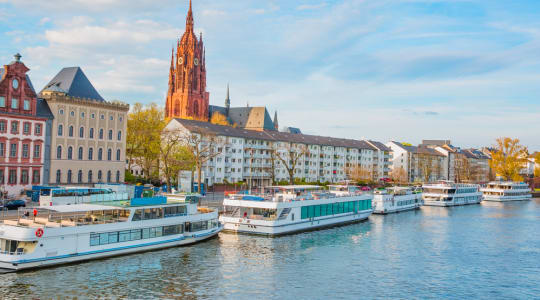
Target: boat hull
(245, 227)
(33, 263)
(506, 198)
(396, 209)
(449, 203)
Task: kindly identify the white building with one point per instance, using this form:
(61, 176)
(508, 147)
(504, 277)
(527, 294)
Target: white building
(252, 156)
(419, 162)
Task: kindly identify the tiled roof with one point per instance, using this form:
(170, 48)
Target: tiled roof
(73, 81)
(380, 146)
(272, 135)
(474, 153)
(419, 150)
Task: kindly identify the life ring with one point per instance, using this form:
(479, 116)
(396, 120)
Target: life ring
(39, 232)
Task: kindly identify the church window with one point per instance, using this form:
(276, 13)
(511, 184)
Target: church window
(72, 113)
(102, 117)
(61, 111)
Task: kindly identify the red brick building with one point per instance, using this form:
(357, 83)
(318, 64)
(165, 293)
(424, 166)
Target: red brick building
(22, 132)
(187, 96)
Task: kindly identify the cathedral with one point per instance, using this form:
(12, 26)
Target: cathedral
(187, 97)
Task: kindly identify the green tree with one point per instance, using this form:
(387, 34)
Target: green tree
(508, 158)
(144, 127)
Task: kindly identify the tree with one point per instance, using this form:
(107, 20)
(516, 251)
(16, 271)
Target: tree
(466, 169)
(427, 165)
(219, 119)
(289, 155)
(537, 165)
(144, 127)
(508, 158)
(399, 175)
(204, 145)
(359, 173)
(174, 155)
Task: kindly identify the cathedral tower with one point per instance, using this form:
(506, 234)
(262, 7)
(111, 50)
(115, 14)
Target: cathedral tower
(187, 97)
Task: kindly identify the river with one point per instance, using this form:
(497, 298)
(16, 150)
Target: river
(486, 251)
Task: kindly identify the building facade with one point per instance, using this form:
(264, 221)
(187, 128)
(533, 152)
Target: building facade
(420, 163)
(88, 136)
(260, 157)
(22, 130)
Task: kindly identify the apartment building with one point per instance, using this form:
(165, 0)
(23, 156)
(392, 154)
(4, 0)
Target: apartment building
(257, 157)
(420, 163)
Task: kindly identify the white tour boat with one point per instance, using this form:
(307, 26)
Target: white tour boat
(69, 233)
(503, 191)
(293, 208)
(447, 193)
(395, 199)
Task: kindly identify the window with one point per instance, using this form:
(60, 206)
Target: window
(12, 177)
(93, 116)
(79, 176)
(37, 129)
(2, 101)
(118, 154)
(120, 119)
(90, 176)
(35, 176)
(111, 118)
(72, 113)
(70, 132)
(14, 127)
(70, 153)
(82, 114)
(60, 129)
(90, 153)
(109, 154)
(100, 154)
(110, 134)
(26, 104)
(102, 117)
(101, 133)
(13, 150)
(119, 135)
(99, 176)
(26, 128)
(61, 111)
(25, 150)
(2, 126)
(91, 135)
(80, 156)
(117, 176)
(59, 152)
(24, 176)
(2, 149)
(109, 176)
(1, 176)
(14, 103)
(69, 176)
(58, 176)
(81, 132)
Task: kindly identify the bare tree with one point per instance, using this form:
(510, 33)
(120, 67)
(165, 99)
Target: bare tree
(358, 173)
(204, 145)
(399, 175)
(289, 155)
(427, 165)
(174, 155)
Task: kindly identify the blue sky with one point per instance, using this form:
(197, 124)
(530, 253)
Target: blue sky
(401, 70)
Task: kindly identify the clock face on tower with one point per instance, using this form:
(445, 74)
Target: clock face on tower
(196, 61)
(180, 60)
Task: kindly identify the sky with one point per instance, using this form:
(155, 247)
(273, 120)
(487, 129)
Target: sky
(402, 70)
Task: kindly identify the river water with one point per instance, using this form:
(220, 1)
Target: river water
(487, 251)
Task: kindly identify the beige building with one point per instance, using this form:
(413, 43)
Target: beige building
(88, 138)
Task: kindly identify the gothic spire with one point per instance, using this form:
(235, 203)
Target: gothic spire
(227, 102)
(276, 125)
(189, 19)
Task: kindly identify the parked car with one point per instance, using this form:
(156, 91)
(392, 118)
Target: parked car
(14, 204)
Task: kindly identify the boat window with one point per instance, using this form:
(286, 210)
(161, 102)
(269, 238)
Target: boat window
(137, 216)
(94, 239)
(123, 236)
(135, 234)
(113, 237)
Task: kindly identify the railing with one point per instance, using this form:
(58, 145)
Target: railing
(13, 253)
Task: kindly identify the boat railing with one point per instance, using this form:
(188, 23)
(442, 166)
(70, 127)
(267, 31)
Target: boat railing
(13, 253)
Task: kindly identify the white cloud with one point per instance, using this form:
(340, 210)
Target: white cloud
(311, 6)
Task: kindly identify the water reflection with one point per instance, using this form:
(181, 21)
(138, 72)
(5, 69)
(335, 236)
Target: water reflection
(478, 251)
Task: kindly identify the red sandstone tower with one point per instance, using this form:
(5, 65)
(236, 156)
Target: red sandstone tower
(187, 97)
